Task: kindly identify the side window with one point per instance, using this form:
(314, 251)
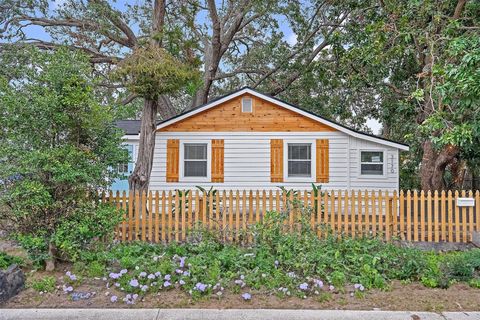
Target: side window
(371, 163)
(195, 160)
(299, 160)
(127, 167)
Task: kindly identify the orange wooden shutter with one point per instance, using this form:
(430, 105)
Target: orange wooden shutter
(322, 160)
(276, 160)
(173, 159)
(217, 160)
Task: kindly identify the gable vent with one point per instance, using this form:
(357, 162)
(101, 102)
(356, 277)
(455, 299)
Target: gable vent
(246, 104)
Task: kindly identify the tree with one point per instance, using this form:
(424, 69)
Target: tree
(236, 43)
(407, 54)
(59, 148)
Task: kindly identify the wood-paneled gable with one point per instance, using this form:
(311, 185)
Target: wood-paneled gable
(266, 117)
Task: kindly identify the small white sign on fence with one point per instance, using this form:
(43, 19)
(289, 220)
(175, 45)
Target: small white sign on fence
(465, 202)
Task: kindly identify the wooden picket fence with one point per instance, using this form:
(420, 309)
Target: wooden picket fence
(414, 216)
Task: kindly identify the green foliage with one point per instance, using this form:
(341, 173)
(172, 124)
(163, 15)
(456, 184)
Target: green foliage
(6, 260)
(279, 261)
(46, 284)
(59, 145)
(152, 71)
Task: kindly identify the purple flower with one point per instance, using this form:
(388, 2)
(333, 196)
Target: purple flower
(200, 287)
(158, 274)
(73, 277)
(135, 296)
(151, 276)
(182, 262)
(303, 286)
(142, 274)
(114, 275)
(129, 299)
(123, 271)
(241, 283)
(68, 273)
(168, 277)
(134, 283)
(181, 282)
(186, 273)
(246, 296)
(179, 271)
(144, 288)
(113, 299)
(318, 283)
(67, 289)
(276, 263)
(359, 286)
(167, 284)
(331, 288)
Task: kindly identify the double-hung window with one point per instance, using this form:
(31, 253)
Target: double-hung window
(299, 160)
(371, 163)
(195, 161)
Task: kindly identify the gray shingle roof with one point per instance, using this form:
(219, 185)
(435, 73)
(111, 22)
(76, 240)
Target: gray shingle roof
(131, 127)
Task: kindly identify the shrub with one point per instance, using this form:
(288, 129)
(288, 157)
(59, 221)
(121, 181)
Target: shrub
(58, 147)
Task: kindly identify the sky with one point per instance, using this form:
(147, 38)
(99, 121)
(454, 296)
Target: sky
(290, 37)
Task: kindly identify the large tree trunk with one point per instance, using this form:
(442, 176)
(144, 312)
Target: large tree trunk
(433, 165)
(140, 178)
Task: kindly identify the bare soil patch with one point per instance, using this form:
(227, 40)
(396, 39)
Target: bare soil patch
(413, 297)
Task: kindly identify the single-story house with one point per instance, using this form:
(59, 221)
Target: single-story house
(249, 140)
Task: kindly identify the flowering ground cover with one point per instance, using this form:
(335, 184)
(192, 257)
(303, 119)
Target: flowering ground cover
(277, 266)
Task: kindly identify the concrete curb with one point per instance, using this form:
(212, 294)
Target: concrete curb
(227, 314)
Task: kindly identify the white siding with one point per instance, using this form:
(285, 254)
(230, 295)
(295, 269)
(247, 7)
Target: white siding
(247, 160)
(390, 180)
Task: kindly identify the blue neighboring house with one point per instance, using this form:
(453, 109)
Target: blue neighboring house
(131, 129)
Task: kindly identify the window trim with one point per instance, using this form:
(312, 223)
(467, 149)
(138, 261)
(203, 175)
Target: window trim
(372, 176)
(251, 104)
(181, 170)
(313, 160)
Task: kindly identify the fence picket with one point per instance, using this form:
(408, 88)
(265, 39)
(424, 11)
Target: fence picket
(381, 213)
(470, 218)
(450, 216)
(408, 214)
(457, 219)
(359, 209)
(169, 216)
(164, 216)
(150, 216)
(422, 216)
(443, 215)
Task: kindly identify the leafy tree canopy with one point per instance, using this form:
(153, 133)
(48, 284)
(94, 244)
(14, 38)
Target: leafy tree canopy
(58, 145)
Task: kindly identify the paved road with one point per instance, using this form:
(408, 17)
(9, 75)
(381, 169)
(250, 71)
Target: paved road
(231, 314)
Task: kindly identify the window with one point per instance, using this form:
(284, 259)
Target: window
(299, 160)
(195, 160)
(371, 163)
(123, 168)
(246, 104)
